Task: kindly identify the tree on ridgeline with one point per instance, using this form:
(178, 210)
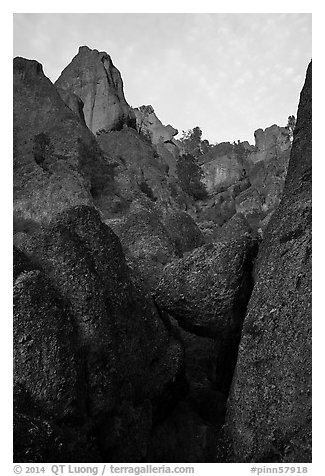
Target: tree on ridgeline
(189, 175)
(291, 126)
(193, 143)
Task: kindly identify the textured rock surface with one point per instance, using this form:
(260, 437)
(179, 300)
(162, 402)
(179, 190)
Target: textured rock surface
(140, 172)
(145, 242)
(207, 291)
(269, 410)
(57, 162)
(74, 103)
(148, 124)
(246, 179)
(235, 228)
(221, 172)
(270, 142)
(37, 439)
(183, 231)
(128, 357)
(92, 76)
(45, 349)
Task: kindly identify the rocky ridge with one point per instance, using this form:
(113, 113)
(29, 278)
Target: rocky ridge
(127, 306)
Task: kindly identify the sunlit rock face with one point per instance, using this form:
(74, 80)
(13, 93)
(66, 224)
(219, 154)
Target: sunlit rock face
(92, 76)
(151, 126)
(269, 143)
(221, 172)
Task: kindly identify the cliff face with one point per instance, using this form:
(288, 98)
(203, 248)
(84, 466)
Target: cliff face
(269, 409)
(106, 254)
(221, 172)
(270, 142)
(249, 179)
(92, 76)
(47, 137)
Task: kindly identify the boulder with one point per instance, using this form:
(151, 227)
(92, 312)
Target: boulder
(127, 356)
(145, 242)
(183, 231)
(207, 291)
(236, 227)
(45, 348)
(92, 76)
(269, 409)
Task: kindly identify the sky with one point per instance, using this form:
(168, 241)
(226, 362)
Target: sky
(229, 74)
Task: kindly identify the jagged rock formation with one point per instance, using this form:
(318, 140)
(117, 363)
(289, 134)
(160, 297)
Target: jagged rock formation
(220, 171)
(139, 170)
(245, 179)
(151, 239)
(57, 162)
(269, 410)
(46, 155)
(162, 137)
(103, 372)
(270, 143)
(92, 76)
(148, 124)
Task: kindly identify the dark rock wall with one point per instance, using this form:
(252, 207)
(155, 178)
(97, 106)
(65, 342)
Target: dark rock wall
(269, 409)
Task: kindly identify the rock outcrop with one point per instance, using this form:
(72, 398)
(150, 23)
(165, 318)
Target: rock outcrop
(57, 161)
(45, 348)
(269, 410)
(101, 353)
(183, 231)
(92, 76)
(148, 124)
(270, 143)
(141, 174)
(221, 171)
(246, 179)
(145, 243)
(151, 239)
(131, 286)
(207, 290)
(74, 103)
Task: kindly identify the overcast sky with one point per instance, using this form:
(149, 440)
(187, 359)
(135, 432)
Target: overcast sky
(230, 74)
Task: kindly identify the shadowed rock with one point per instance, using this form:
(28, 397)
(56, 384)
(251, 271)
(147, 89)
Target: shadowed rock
(145, 242)
(269, 409)
(183, 231)
(45, 348)
(57, 162)
(207, 291)
(129, 360)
